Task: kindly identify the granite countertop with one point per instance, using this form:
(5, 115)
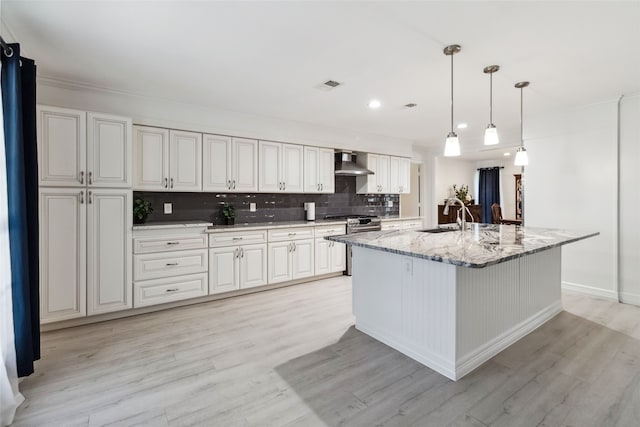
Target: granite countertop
(480, 246)
(399, 218)
(278, 224)
(170, 224)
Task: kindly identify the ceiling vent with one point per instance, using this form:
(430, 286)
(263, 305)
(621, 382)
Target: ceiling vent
(328, 85)
(411, 105)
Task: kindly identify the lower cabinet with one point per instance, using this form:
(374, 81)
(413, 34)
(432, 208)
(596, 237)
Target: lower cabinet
(237, 267)
(85, 247)
(291, 260)
(330, 257)
(169, 264)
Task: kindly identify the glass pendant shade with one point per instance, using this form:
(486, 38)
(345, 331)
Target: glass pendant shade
(522, 159)
(491, 135)
(452, 145)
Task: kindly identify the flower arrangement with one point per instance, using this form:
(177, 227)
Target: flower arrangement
(229, 213)
(462, 193)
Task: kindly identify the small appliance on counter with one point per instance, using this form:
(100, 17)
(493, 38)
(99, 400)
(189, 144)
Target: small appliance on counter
(310, 209)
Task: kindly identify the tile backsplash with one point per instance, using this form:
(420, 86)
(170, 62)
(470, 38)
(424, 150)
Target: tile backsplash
(270, 207)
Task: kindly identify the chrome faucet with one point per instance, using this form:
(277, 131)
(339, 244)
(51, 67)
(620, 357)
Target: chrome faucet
(452, 201)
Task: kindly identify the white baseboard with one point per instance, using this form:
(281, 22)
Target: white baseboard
(630, 298)
(590, 290)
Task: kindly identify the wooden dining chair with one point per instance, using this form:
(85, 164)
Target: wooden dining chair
(496, 216)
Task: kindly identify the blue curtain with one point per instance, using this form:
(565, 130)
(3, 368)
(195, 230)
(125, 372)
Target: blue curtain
(19, 112)
(489, 188)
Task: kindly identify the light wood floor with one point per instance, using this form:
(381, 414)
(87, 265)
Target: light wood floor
(291, 357)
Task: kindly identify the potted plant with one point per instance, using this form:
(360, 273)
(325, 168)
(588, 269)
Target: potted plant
(229, 213)
(463, 194)
(141, 210)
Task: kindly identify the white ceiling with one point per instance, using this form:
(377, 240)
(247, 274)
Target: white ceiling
(267, 57)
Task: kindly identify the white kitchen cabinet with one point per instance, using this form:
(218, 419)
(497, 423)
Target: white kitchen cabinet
(63, 254)
(237, 260)
(280, 167)
(80, 149)
(169, 264)
(412, 224)
(229, 164)
(291, 254)
(85, 252)
(185, 161)
(330, 257)
(378, 182)
(167, 160)
(399, 175)
(109, 269)
(319, 170)
(391, 225)
(151, 158)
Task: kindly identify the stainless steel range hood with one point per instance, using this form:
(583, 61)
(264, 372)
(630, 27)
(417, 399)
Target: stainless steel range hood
(346, 165)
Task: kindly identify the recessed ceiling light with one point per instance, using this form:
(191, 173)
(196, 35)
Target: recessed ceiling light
(507, 154)
(374, 103)
(462, 125)
(411, 105)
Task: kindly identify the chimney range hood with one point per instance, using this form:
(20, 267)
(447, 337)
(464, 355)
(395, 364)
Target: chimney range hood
(346, 165)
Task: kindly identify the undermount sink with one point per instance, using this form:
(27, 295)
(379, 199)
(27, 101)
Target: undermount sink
(438, 230)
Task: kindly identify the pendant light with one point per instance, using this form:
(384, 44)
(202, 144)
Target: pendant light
(491, 133)
(521, 154)
(452, 145)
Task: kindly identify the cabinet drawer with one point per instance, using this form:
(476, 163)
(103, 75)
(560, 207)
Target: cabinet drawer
(283, 234)
(217, 240)
(145, 245)
(154, 266)
(412, 225)
(392, 225)
(330, 230)
(160, 291)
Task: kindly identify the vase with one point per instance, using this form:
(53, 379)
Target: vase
(229, 221)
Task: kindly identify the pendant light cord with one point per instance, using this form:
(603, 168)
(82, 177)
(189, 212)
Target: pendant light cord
(491, 98)
(521, 120)
(451, 93)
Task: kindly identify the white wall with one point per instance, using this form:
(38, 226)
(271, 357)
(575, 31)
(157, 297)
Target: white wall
(571, 182)
(450, 172)
(629, 272)
(172, 114)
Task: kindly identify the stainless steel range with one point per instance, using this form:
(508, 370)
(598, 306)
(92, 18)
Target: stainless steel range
(357, 224)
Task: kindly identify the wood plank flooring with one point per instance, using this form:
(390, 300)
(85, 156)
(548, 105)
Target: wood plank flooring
(291, 357)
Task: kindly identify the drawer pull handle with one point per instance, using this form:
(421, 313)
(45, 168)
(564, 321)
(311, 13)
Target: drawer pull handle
(172, 290)
(173, 243)
(81, 177)
(171, 264)
(165, 183)
(292, 234)
(90, 178)
(237, 238)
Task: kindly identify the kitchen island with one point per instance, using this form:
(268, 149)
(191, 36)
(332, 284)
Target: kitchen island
(452, 300)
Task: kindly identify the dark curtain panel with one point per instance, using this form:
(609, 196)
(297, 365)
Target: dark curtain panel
(489, 189)
(19, 111)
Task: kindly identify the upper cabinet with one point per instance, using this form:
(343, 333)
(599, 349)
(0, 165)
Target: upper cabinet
(399, 175)
(319, 169)
(78, 149)
(167, 160)
(281, 167)
(391, 174)
(379, 181)
(229, 164)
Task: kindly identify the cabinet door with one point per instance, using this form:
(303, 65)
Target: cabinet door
(322, 257)
(279, 269)
(368, 184)
(394, 175)
(382, 173)
(245, 165)
(253, 265)
(216, 163)
(108, 151)
(338, 257)
(303, 258)
(151, 158)
(404, 175)
(270, 160)
(326, 170)
(311, 171)
(109, 274)
(223, 269)
(62, 254)
(292, 164)
(62, 144)
(185, 161)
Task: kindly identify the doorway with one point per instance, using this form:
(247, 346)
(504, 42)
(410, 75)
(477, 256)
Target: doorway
(410, 204)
